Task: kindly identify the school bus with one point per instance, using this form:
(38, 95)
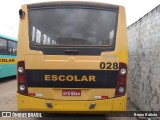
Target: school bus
(72, 57)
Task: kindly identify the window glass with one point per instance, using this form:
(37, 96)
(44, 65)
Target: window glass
(38, 36)
(3, 46)
(73, 26)
(12, 47)
(33, 33)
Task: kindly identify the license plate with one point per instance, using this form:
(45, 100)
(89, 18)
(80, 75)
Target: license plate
(71, 92)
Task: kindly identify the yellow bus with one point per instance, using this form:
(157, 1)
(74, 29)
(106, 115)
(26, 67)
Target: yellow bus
(72, 57)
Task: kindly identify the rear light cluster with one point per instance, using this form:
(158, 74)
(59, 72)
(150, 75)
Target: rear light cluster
(121, 82)
(22, 83)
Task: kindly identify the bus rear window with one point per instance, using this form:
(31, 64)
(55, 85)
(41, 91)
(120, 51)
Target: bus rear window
(72, 27)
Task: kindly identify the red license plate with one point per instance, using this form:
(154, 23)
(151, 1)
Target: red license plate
(71, 92)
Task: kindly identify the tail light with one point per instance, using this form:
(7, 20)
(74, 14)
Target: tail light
(121, 81)
(22, 83)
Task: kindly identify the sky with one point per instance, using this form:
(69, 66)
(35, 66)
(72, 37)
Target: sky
(9, 17)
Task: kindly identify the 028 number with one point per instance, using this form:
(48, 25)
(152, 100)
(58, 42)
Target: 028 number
(108, 65)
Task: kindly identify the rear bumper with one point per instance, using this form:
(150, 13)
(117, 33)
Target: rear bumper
(26, 103)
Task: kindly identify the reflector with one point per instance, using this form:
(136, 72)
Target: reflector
(21, 79)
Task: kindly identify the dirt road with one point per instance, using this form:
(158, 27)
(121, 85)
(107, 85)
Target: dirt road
(8, 103)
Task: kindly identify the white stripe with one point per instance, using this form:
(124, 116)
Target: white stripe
(39, 95)
(97, 97)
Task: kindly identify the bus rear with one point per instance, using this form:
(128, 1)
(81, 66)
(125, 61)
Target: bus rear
(72, 57)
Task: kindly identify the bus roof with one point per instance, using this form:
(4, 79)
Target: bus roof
(71, 3)
(7, 37)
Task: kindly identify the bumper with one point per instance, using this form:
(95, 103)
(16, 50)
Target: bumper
(26, 103)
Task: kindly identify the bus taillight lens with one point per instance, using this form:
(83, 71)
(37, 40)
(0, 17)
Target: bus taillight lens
(121, 81)
(21, 79)
(121, 89)
(22, 83)
(22, 87)
(123, 71)
(20, 69)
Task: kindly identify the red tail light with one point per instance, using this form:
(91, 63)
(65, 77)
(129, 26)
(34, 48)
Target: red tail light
(121, 81)
(22, 83)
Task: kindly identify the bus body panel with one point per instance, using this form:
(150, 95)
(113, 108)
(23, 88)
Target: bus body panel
(26, 103)
(68, 65)
(7, 61)
(7, 70)
(7, 66)
(56, 93)
(36, 60)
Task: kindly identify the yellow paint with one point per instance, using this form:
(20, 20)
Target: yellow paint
(75, 78)
(26, 103)
(61, 78)
(86, 94)
(7, 61)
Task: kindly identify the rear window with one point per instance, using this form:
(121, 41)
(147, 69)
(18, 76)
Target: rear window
(72, 27)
